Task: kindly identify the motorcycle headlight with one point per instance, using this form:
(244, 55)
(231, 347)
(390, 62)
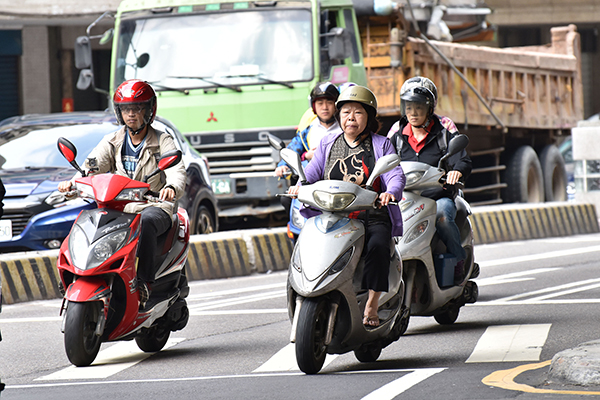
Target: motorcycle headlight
(86, 256)
(135, 194)
(413, 177)
(416, 232)
(85, 191)
(333, 201)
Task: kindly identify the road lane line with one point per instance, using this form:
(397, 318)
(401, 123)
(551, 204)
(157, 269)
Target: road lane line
(566, 292)
(400, 385)
(228, 292)
(513, 277)
(241, 312)
(535, 257)
(547, 290)
(236, 301)
(507, 343)
(114, 359)
(285, 360)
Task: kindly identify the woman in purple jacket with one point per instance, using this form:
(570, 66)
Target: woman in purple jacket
(351, 156)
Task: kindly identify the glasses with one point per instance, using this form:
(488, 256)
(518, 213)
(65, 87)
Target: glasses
(136, 109)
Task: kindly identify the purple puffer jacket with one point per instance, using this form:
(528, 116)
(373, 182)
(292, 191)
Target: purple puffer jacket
(391, 182)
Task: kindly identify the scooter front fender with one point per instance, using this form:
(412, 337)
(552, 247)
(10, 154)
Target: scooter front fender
(87, 289)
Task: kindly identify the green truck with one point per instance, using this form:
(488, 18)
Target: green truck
(229, 72)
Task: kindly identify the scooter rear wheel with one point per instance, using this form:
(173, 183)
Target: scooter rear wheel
(310, 335)
(448, 317)
(153, 339)
(368, 353)
(81, 342)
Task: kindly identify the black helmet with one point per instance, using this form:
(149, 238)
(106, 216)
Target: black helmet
(418, 94)
(323, 90)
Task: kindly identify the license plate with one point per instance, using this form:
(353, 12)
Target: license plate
(221, 186)
(5, 230)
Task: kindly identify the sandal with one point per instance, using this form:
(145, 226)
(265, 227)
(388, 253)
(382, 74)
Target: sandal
(371, 321)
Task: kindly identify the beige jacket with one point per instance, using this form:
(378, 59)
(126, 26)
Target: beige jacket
(108, 157)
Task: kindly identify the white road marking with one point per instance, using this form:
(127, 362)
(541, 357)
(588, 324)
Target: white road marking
(542, 256)
(242, 312)
(285, 360)
(235, 301)
(228, 292)
(400, 385)
(114, 359)
(554, 290)
(512, 277)
(510, 343)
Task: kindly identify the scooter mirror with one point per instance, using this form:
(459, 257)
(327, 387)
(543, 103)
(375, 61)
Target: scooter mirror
(69, 152)
(383, 165)
(275, 142)
(455, 145)
(168, 159)
(293, 160)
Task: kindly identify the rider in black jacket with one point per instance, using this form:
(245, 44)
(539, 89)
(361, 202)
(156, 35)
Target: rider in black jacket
(421, 137)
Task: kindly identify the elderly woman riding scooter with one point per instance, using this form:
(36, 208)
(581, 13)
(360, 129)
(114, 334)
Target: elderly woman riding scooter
(350, 156)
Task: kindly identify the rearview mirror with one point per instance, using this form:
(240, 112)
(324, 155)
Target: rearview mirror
(275, 142)
(293, 160)
(167, 160)
(69, 152)
(383, 165)
(86, 76)
(339, 46)
(83, 52)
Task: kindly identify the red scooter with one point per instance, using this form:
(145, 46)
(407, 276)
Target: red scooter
(97, 266)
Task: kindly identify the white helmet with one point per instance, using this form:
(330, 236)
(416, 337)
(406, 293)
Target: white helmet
(420, 81)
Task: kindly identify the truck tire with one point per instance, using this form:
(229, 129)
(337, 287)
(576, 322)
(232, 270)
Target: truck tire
(554, 173)
(524, 178)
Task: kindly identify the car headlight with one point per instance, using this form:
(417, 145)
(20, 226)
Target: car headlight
(333, 201)
(135, 194)
(416, 232)
(86, 256)
(413, 177)
(85, 191)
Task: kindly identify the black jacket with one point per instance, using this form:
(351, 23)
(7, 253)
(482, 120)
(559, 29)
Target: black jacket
(431, 154)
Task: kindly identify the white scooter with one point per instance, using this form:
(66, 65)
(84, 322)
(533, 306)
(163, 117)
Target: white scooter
(325, 300)
(429, 277)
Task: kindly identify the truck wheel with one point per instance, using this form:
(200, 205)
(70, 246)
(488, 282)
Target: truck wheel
(554, 173)
(523, 176)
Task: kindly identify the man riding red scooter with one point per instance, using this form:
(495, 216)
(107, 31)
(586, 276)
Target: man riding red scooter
(123, 264)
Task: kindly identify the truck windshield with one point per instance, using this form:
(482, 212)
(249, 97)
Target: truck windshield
(227, 49)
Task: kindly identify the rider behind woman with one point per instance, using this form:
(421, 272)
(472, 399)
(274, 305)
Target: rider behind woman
(350, 156)
(422, 137)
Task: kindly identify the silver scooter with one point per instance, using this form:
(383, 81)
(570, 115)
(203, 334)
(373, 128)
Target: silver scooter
(325, 300)
(428, 276)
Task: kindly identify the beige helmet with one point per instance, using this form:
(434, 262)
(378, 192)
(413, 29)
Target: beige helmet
(359, 94)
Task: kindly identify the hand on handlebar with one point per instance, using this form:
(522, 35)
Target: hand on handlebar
(452, 177)
(385, 199)
(293, 191)
(282, 171)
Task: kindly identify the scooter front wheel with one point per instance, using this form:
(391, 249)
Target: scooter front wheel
(310, 335)
(81, 342)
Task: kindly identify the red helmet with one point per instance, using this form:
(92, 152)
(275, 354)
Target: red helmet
(135, 91)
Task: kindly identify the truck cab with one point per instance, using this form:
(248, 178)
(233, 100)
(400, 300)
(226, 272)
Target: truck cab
(230, 73)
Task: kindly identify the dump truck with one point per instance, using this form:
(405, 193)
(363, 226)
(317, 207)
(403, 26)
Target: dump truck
(230, 72)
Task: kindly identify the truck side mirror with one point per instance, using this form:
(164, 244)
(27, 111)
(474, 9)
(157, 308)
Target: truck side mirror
(339, 46)
(83, 52)
(86, 76)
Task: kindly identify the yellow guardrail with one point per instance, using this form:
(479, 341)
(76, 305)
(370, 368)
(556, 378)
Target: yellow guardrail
(33, 275)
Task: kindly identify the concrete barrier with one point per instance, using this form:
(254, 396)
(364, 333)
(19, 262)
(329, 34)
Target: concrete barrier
(33, 275)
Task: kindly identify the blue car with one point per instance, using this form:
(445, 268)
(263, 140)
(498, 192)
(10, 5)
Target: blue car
(37, 216)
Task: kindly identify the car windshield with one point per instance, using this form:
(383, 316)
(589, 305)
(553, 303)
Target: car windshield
(207, 50)
(35, 146)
